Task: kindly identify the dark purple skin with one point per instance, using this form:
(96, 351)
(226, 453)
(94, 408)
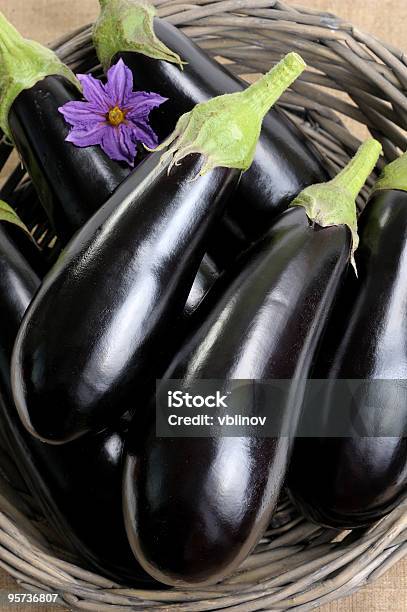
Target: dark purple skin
(349, 482)
(196, 507)
(71, 182)
(131, 268)
(18, 286)
(78, 485)
(283, 165)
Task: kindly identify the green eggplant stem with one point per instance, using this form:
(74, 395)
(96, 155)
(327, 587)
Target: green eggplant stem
(128, 26)
(265, 92)
(394, 175)
(356, 172)
(23, 63)
(225, 129)
(334, 202)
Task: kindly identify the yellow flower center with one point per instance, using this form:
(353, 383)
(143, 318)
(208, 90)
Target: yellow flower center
(116, 116)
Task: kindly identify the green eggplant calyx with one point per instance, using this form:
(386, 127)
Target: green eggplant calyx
(225, 130)
(23, 63)
(394, 175)
(10, 216)
(128, 25)
(334, 202)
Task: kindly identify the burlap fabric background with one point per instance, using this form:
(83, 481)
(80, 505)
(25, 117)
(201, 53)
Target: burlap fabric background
(45, 20)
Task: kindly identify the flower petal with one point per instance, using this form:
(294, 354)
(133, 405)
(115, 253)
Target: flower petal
(140, 103)
(119, 83)
(144, 133)
(82, 137)
(95, 92)
(128, 143)
(81, 113)
(112, 144)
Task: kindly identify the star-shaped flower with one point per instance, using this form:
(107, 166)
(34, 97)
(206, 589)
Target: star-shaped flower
(112, 115)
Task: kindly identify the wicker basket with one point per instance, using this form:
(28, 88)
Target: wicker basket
(297, 565)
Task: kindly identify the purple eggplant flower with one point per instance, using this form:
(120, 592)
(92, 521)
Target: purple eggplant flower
(112, 115)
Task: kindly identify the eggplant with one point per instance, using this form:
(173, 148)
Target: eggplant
(121, 285)
(195, 507)
(78, 486)
(348, 481)
(284, 163)
(123, 280)
(18, 285)
(72, 183)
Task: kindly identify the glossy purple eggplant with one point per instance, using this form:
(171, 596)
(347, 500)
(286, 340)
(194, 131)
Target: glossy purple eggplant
(18, 283)
(78, 486)
(72, 183)
(284, 163)
(350, 481)
(100, 329)
(196, 507)
(100, 325)
(18, 286)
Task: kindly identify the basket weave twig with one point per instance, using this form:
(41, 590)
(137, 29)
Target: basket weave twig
(297, 565)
